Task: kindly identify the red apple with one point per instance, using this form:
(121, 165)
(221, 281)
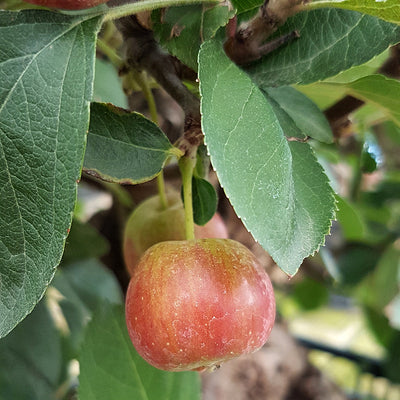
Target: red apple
(67, 4)
(194, 304)
(151, 223)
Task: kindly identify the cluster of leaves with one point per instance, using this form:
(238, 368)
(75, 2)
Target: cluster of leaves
(50, 127)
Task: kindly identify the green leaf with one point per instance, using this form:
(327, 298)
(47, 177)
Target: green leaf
(182, 29)
(305, 114)
(325, 96)
(392, 366)
(110, 368)
(381, 91)
(46, 65)
(93, 282)
(107, 85)
(349, 219)
(383, 284)
(359, 71)
(276, 187)
(83, 287)
(356, 262)
(394, 312)
(246, 5)
(378, 324)
(84, 242)
(31, 359)
(331, 41)
(205, 200)
(368, 161)
(124, 147)
(310, 294)
(388, 10)
(288, 126)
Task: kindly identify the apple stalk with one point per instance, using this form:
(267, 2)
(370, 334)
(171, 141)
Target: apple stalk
(186, 165)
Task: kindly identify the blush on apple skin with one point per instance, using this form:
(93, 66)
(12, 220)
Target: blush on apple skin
(67, 4)
(150, 223)
(192, 305)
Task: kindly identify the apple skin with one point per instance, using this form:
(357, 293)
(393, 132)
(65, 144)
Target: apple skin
(67, 4)
(150, 223)
(194, 304)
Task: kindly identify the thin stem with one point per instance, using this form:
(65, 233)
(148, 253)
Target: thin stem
(110, 53)
(145, 5)
(161, 190)
(186, 165)
(142, 81)
(120, 193)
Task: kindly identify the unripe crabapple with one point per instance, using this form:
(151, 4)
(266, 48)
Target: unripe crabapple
(151, 223)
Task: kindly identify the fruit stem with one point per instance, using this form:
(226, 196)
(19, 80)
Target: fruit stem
(142, 81)
(161, 190)
(115, 59)
(186, 165)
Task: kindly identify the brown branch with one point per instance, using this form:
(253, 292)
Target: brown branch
(338, 113)
(246, 44)
(142, 52)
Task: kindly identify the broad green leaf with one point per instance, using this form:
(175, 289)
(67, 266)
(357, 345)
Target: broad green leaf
(83, 286)
(381, 91)
(204, 200)
(46, 69)
(84, 242)
(383, 284)
(331, 40)
(288, 126)
(93, 282)
(393, 362)
(359, 71)
(368, 161)
(276, 187)
(110, 368)
(182, 29)
(379, 326)
(310, 294)
(246, 5)
(124, 147)
(325, 96)
(356, 262)
(388, 10)
(392, 132)
(40, 347)
(305, 114)
(107, 85)
(350, 221)
(31, 358)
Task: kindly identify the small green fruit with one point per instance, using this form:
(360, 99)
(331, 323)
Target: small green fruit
(151, 223)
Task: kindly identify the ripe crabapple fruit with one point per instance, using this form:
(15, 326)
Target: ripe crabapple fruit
(193, 304)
